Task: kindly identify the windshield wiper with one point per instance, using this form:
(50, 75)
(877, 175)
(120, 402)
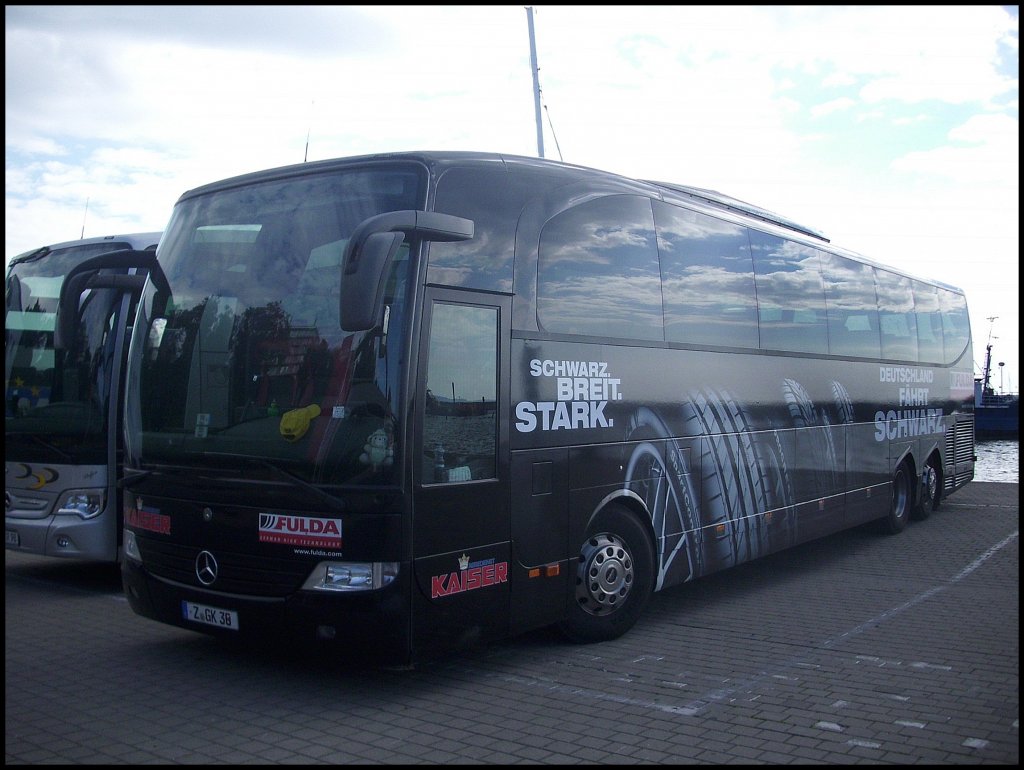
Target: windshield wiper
(37, 254)
(65, 456)
(132, 475)
(335, 503)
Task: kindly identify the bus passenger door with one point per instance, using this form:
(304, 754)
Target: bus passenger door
(460, 524)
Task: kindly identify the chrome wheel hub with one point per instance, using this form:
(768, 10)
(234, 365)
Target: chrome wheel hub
(605, 574)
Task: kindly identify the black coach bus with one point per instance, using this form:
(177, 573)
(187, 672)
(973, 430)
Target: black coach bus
(63, 400)
(407, 402)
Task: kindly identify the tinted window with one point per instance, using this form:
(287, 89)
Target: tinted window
(852, 307)
(956, 325)
(459, 423)
(708, 279)
(929, 322)
(61, 394)
(790, 295)
(492, 198)
(244, 355)
(598, 272)
(896, 315)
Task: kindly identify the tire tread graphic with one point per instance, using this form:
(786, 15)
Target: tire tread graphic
(667, 491)
(731, 499)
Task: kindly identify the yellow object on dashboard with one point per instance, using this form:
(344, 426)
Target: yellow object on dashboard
(295, 422)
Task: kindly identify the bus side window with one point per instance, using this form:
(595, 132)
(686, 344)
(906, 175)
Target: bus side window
(852, 307)
(929, 323)
(707, 278)
(896, 316)
(787, 277)
(598, 271)
(956, 325)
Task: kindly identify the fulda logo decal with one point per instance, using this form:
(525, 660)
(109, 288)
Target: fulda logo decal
(300, 530)
(479, 574)
(150, 519)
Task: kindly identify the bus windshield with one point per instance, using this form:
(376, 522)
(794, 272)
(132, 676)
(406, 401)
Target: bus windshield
(244, 365)
(56, 404)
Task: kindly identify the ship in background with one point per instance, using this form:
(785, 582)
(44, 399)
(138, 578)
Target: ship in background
(996, 415)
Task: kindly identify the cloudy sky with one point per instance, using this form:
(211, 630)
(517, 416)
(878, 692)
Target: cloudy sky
(894, 130)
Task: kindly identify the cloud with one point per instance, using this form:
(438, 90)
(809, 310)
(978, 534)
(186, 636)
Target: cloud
(892, 128)
(835, 105)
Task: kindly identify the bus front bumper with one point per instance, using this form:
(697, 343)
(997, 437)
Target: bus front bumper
(357, 627)
(64, 536)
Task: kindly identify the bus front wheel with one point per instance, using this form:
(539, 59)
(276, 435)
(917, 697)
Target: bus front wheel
(902, 498)
(614, 578)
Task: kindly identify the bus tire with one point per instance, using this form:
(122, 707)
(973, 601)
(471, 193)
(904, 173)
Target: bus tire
(614, 577)
(902, 496)
(930, 492)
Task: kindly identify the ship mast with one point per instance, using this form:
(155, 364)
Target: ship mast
(987, 371)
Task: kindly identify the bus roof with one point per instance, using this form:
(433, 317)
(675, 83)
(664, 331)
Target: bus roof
(138, 241)
(734, 204)
(437, 160)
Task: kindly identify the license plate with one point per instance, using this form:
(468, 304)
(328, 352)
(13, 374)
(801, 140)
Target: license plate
(11, 537)
(210, 616)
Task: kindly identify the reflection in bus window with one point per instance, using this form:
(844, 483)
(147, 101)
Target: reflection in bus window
(896, 316)
(708, 279)
(599, 271)
(929, 322)
(459, 422)
(956, 324)
(790, 295)
(852, 307)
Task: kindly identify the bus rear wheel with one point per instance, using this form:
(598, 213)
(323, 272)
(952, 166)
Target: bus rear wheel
(614, 578)
(902, 497)
(930, 491)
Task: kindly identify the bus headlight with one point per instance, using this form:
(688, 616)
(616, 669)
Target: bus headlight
(351, 575)
(131, 548)
(87, 503)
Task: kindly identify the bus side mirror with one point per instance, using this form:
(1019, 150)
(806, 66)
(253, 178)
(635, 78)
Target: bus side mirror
(371, 250)
(87, 275)
(361, 289)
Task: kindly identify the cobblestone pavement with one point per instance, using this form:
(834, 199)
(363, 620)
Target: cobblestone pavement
(858, 648)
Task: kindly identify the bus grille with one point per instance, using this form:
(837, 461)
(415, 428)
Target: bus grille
(237, 573)
(960, 452)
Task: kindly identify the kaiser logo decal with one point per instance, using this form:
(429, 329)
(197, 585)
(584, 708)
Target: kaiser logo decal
(148, 518)
(471, 576)
(300, 530)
